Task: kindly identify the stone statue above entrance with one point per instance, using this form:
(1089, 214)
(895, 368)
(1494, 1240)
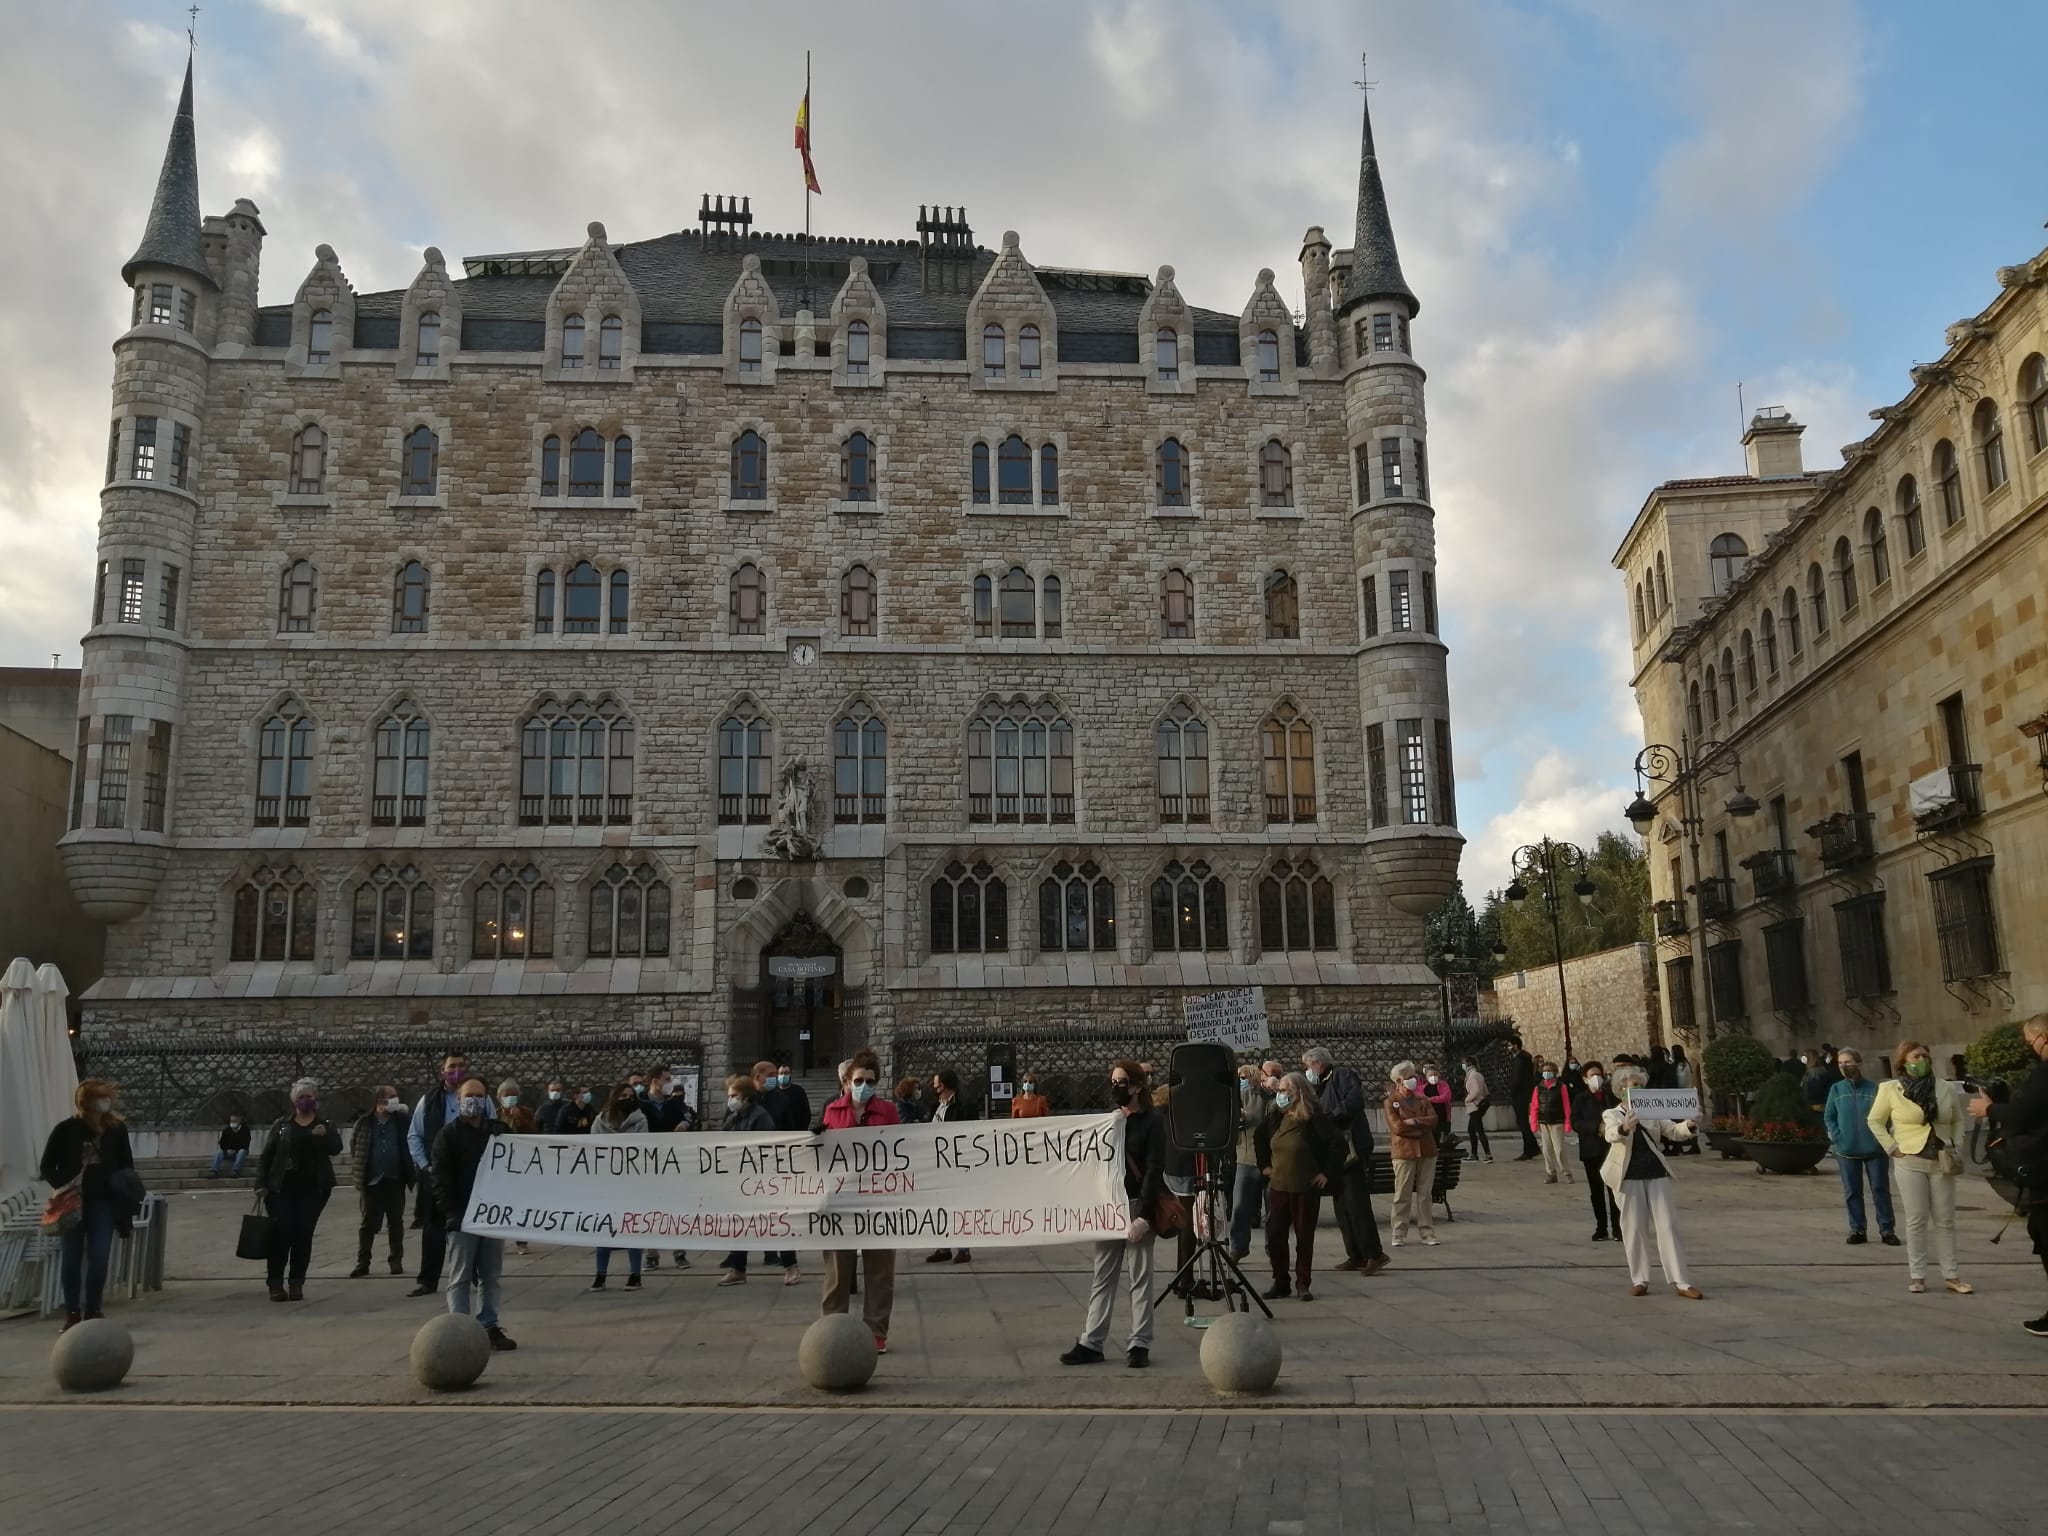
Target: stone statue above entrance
(789, 829)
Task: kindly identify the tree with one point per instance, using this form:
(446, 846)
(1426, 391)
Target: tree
(1620, 913)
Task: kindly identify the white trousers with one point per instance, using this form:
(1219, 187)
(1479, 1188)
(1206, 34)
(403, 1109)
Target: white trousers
(1134, 1262)
(1929, 1199)
(1651, 1205)
(1414, 1179)
(1554, 1164)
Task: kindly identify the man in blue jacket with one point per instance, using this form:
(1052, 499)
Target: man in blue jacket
(1857, 1153)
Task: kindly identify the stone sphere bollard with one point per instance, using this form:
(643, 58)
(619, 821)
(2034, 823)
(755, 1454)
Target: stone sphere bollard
(1241, 1353)
(837, 1353)
(92, 1357)
(449, 1352)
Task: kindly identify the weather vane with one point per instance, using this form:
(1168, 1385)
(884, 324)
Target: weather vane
(192, 27)
(1364, 81)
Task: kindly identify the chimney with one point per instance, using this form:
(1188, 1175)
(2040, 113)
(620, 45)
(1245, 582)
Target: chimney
(1772, 444)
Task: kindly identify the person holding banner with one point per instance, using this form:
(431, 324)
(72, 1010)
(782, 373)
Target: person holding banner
(947, 1107)
(1130, 1255)
(621, 1116)
(1635, 1171)
(860, 1106)
(744, 1111)
(458, 1152)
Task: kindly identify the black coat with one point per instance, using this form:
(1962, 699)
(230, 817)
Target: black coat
(1525, 1076)
(359, 1138)
(1144, 1161)
(559, 1117)
(1587, 1107)
(295, 1148)
(234, 1138)
(2026, 1115)
(959, 1109)
(458, 1153)
(65, 1151)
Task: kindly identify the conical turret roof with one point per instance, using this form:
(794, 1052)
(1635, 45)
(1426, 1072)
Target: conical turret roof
(1375, 263)
(171, 237)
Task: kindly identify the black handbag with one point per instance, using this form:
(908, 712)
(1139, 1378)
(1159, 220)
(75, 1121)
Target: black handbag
(257, 1231)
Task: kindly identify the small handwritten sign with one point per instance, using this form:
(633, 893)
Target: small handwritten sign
(1236, 1018)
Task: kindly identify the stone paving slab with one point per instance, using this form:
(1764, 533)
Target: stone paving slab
(1514, 1309)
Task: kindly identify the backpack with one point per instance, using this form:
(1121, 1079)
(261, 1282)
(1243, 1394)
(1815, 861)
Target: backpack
(2020, 1160)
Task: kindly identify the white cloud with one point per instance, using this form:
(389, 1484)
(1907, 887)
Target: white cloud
(1558, 799)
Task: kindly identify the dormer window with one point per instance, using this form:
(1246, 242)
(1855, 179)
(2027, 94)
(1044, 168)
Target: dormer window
(319, 337)
(572, 342)
(992, 352)
(427, 351)
(750, 345)
(1166, 356)
(1269, 357)
(611, 341)
(857, 346)
(1029, 360)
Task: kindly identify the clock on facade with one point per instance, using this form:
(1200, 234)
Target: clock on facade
(803, 653)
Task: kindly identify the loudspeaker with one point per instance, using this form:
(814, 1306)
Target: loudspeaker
(1201, 1113)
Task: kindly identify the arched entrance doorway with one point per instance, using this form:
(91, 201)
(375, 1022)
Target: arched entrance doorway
(803, 995)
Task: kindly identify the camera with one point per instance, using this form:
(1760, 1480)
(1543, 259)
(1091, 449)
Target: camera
(1997, 1089)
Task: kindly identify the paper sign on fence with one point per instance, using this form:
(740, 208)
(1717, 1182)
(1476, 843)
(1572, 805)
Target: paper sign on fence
(1665, 1103)
(1236, 1019)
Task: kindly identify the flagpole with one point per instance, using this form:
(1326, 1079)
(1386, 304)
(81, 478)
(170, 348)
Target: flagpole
(809, 298)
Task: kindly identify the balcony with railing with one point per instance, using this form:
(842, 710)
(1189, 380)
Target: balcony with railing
(1033, 810)
(1772, 876)
(284, 810)
(398, 811)
(1847, 839)
(1716, 897)
(575, 810)
(855, 810)
(1672, 922)
(1184, 808)
(1948, 795)
(742, 810)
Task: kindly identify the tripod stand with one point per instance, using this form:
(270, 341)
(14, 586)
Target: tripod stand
(1221, 1279)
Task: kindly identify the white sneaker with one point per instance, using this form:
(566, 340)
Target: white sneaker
(1429, 1242)
(1394, 1242)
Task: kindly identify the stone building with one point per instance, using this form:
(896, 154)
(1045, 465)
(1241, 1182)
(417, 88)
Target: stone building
(1613, 998)
(732, 641)
(1859, 659)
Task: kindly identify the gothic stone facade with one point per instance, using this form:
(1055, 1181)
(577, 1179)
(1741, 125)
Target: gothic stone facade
(539, 581)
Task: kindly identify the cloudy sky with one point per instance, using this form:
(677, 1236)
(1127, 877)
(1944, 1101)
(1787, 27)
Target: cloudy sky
(1613, 211)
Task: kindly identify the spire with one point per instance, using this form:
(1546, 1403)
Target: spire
(1375, 264)
(171, 237)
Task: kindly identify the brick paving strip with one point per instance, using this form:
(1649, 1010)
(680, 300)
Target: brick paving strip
(1515, 1309)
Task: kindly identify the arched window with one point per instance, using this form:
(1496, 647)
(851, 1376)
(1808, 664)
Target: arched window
(576, 765)
(857, 468)
(398, 769)
(582, 599)
(1948, 481)
(622, 465)
(2034, 401)
(748, 601)
(409, 599)
(551, 465)
(970, 911)
(1017, 605)
(544, 602)
(1269, 357)
(427, 345)
(393, 917)
(1990, 435)
(1788, 621)
(1013, 472)
(1190, 913)
(746, 768)
(276, 912)
(1020, 767)
(1276, 475)
(749, 467)
(572, 341)
(320, 337)
(1663, 588)
(1845, 572)
(750, 345)
(1166, 355)
(1817, 598)
(980, 475)
(309, 460)
(992, 363)
(1713, 697)
(1728, 678)
(1176, 606)
(1748, 651)
(1641, 628)
(1909, 515)
(1287, 743)
(1297, 908)
(1726, 557)
(1880, 551)
(1076, 910)
(1030, 355)
(512, 916)
(297, 596)
(984, 608)
(620, 607)
(1049, 608)
(586, 463)
(1048, 475)
(422, 462)
(1767, 636)
(1170, 474)
(1692, 710)
(611, 342)
(857, 347)
(629, 914)
(858, 599)
(860, 768)
(1283, 607)
(284, 770)
(1183, 767)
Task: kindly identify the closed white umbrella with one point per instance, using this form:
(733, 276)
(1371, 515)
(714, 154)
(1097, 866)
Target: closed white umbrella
(21, 1131)
(56, 1068)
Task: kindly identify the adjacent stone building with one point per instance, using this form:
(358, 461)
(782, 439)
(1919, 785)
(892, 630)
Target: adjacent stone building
(1612, 995)
(738, 642)
(1860, 658)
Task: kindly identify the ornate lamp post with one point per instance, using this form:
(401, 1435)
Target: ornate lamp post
(1685, 770)
(1549, 863)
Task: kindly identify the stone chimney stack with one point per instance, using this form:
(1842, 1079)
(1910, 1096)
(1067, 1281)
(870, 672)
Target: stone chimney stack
(1772, 444)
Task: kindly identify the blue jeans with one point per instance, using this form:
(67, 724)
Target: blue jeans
(1247, 1198)
(240, 1158)
(83, 1261)
(478, 1261)
(1852, 1170)
(604, 1261)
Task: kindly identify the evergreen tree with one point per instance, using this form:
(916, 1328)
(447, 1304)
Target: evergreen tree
(1619, 914)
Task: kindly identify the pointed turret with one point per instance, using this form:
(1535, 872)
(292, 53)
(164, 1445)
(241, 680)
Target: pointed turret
(1375, 264)
(171, 237)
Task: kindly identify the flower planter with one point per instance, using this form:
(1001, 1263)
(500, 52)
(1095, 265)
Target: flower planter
(1785, 1156)
(1728, 1143)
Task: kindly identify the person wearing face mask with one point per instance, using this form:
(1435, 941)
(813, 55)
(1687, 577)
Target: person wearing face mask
(382, 1171)
(296, 1175)
(477, 1260)
(1129, 1256)
(1341, 1092)
(2019, 1127)
(1411, 1143)
(1592, 1101)
(1478, 1100)
(1641, 1182)
(744, 1111)
(798, 1103)
(1029, 1104)
(557, 1115)
(909, 1108)
(861, 1104)
(948, 1106)
(1858, 1157)
(1918, 1120)
(1438, 1092)
(1247, 1183)
(624, 1114)
(233, 1144)
(1550, 1117)
(513, 1109)
(1300, 1153)
(1523, 1086)
(436, 1107)
(87, 1150)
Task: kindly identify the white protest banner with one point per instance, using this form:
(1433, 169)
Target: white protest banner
(1665, 1103)
(1236, 1019)
(984, 1184)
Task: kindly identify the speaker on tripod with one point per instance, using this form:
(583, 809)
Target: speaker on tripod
(1202, 1117)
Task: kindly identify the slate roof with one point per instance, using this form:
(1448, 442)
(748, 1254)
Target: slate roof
(171, 237)
(1375, 264)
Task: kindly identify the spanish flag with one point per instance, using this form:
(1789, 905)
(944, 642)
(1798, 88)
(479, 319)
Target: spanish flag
(803, 143)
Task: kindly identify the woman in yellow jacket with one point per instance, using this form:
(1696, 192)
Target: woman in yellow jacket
(1917, 1119)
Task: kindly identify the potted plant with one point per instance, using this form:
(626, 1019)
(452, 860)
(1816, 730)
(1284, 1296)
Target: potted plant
(1724, 1135)
(1785, 1135)
(1736, 1066)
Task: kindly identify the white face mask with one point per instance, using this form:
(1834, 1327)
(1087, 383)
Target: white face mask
(1594, 1080)
(101, 1106)
(393, 1106)
(1408, 1083)
(733, 1101)
(236, 1123)
(554, 1095)
(862, 1092)
(1432, 1077)
(509, 1100)
(1031, 1087)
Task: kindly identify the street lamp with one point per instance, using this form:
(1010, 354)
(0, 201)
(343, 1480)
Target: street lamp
(1548, 863)
(1687, 768)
